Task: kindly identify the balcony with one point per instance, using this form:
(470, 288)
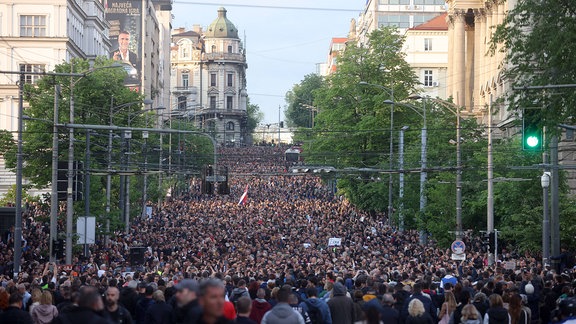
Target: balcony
(184, 89)
(224, 57)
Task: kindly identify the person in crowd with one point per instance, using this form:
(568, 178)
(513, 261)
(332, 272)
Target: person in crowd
(429, 307)
(143, 304)
(211, 300)
(159, 312)
(448, 307)
(496, 313)
(115, 312)
(341, 306)
(14, 313)
(417, 314)
(282, 313)
(244, 306)
(45, 312)
(317, 309)
(470, 315)
(518, 315)
(259, 306)
(90, 306)
(187, 307)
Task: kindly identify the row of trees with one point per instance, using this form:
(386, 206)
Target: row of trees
(352, 129)
(100, 98)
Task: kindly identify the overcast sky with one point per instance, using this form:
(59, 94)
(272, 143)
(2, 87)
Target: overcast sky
(283, 45)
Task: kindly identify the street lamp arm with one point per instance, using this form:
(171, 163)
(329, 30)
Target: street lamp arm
(414, 108)
(387, 90)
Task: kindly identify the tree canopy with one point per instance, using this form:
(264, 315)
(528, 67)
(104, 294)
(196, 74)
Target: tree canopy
(299, 110)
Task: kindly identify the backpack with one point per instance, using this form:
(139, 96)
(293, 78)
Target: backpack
(314, 313)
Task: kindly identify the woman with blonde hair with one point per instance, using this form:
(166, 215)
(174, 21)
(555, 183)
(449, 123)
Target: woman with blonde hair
(496, 314)
(36, 293)
(470, 315)
(417, 314)
(46, 311)
(448, 307)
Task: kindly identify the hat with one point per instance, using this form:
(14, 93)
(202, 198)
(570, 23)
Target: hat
(189, 284)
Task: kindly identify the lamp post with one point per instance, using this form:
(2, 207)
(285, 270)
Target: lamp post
(545, 182)
(401, 185)
(455, 109)
(423, 154)
(390, 91)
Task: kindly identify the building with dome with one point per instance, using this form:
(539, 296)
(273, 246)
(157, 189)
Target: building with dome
(209, 79)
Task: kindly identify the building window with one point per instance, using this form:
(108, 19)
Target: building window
(229, 102)
(229, 48)
(182, 102)
(32, 26)
(428, 77)
(30, 78)
(212, 102)
(427, 44)
(184, 51)
(400, 21)
(185, 80)
(212, 79)
(213, 48)
(230, 126)
(230, 79)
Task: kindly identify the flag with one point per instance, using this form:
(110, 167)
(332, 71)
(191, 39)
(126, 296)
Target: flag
(244, 197)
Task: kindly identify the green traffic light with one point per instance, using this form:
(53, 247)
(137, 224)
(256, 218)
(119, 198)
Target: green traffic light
(532, 141)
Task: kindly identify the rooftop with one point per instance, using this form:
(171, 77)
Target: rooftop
(436, 23)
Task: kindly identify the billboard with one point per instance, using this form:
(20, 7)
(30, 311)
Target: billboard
(125, 18)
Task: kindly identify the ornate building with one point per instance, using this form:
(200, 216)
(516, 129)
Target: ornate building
(209, 79)
(474, 74)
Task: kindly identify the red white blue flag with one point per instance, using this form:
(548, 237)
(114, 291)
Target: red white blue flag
(244, 197)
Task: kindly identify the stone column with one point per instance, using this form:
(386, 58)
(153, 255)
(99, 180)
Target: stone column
(478, 55)
(470, 58)
(450, 70)
(459, 60)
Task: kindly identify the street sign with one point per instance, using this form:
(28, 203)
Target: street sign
(458, 247)
(458, 257)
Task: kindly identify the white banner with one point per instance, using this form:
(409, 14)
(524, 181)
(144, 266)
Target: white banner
(334, 241)
(83, 226)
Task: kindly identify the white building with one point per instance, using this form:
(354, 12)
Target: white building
(426, 49)
(209, 79)
(403, 14)
(36, 36)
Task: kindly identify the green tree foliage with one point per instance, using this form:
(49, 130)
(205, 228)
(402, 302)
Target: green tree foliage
(297, 114)
(538, 40)
(351, 128)
(255, 116)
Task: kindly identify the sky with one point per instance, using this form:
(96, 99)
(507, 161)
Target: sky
(282, 45)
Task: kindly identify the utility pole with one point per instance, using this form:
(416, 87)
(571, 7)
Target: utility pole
(86, 191)
(555, 212)
(458, 176)
(490, 198)
(401, 185)
(19, 162)
(54, 188)
(279, 124)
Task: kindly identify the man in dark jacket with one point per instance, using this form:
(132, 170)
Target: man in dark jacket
(115, 312)
(143, 304)
(259, 306)
(341, 306)
(90, 306)
(187, 309)
(14, 313)
(388, 314)
(428, 304)
(317, 309)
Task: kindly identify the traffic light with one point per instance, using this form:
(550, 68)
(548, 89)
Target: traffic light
(532, 139)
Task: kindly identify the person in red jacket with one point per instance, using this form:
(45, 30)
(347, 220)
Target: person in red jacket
(259, 306)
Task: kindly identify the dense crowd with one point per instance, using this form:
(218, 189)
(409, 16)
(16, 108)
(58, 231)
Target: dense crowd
(293, 253)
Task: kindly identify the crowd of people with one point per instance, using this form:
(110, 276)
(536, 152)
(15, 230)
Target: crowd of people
(294, 252)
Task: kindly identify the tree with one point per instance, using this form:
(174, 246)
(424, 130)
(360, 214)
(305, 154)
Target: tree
(299, 100)
(255, 116)
(539, 42)
(352, 125)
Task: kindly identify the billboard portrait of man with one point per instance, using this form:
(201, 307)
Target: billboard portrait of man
(123, 53)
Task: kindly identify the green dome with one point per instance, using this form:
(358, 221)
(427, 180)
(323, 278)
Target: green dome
(221, 27)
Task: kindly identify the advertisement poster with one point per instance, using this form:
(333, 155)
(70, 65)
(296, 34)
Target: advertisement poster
(125, 18)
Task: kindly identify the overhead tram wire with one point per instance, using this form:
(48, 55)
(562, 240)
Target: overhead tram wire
(265, 6)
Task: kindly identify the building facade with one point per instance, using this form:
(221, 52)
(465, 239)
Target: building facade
(426, 49)
(473, 74)
(403, 14)
(209, 79)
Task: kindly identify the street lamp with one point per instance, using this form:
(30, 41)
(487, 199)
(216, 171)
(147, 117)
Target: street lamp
(401, 189)
(389, 91)
(455, 109)
(423, 154)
